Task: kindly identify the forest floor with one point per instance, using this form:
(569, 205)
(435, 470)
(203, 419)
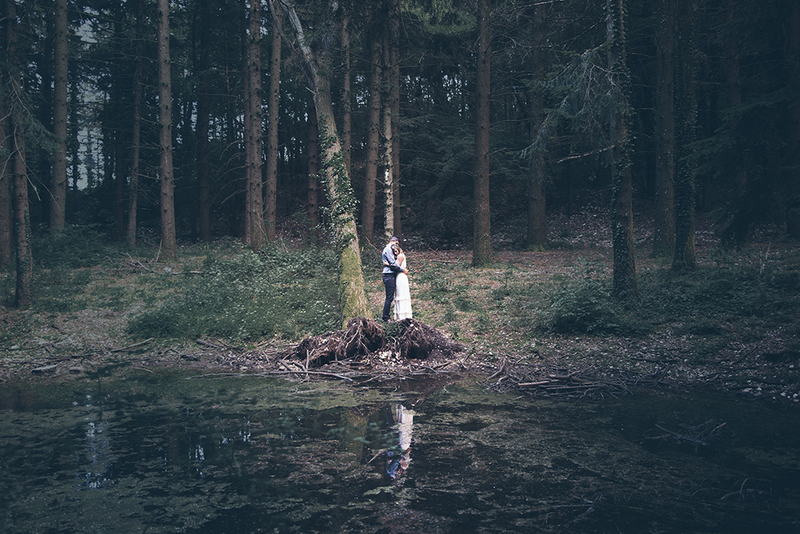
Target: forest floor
(491, 313)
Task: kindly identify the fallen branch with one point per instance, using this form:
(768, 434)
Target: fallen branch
(131, 347)
(530, 384)
(323, 373)
(680, 436)
(266, 373)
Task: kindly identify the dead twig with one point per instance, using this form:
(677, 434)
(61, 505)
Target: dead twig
(304, 372)
(131, 347)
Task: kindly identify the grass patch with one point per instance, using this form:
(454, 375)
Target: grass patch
(250, 296)
(60, 290)
(464, 303)
(700, 302)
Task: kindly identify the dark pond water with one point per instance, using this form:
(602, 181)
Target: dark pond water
(163, 453)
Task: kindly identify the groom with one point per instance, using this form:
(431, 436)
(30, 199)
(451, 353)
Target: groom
(390, 270)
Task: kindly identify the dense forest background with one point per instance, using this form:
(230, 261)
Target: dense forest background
(664, 107)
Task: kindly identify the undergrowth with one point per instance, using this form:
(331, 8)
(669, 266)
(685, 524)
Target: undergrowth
(706, 301)
(291, 293)
(71, 247)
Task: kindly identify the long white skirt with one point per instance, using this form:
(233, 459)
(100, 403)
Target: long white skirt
(402, 298)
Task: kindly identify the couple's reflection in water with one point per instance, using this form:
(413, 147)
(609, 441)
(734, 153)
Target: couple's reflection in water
(398, 456)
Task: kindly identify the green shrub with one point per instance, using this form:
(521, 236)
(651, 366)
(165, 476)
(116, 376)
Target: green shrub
(717, 293)
(250, 296)
(585, 307)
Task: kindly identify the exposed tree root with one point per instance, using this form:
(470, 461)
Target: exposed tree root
(405, 340)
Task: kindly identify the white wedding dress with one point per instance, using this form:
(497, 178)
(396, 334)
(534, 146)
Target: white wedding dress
(402, 296)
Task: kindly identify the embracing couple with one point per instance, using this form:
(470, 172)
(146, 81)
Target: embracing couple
(395, 279)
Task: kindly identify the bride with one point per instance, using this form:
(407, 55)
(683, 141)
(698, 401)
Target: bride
(402, 298)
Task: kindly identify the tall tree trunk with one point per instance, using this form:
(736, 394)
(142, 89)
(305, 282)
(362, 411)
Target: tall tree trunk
(347, 96)
(271, 186)
(203, 115)
(168, 240)
(536, 237)
(133, 186)
(117, 122)
(22, 218)
(120, 182)
(793, 60)
(373, 144)
(664, 222)
(734, 86)
(624, 285)
(59, 187)
(74, 146)
(256, 206)
(394, 103)
(312, 191)
(685, 118)
(6, 177)
(246, 118)
(16, 108)
(388, 171)
(482, 246)
(341, 199)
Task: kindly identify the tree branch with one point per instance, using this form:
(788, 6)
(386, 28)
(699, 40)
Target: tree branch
(305, 53)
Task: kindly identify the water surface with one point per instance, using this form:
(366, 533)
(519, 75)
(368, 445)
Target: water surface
(162, 453)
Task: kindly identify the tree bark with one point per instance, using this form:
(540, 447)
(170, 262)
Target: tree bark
(133, 186)
(388, 171)
(168, 240)
(793, 56)
(685, 118)
(246, 118)
(734, 87)
(482, 246)
(22, 219)
(271, 179)
(373, 144)
(394, 103)
(74, 127)
(255, 154)
(24, 296)
(536, 236)
(624, 284)
(203, 116)
(353, 298)
(6, 177)
(347, 96)
(664, 221)
(116, 169)
(312, 191)
(59, 187)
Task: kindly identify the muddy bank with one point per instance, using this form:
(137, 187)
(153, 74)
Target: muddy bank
(366, 353)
